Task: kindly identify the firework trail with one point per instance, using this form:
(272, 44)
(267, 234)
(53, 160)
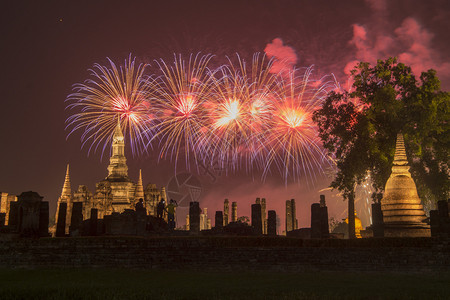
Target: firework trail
(239, 113)
(180, 94)
(112, 93)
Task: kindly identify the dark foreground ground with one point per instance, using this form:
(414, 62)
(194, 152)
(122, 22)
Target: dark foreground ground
(69, 283)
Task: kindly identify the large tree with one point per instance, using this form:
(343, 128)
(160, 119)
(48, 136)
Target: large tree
(359, 128)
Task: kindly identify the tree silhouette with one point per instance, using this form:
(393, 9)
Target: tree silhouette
(358, 128)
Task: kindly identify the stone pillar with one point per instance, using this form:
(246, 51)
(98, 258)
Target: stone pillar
(226, 212)
(208, 223)
(43, 219)
(324, 228)
(61, 224)
(234, 212)
(434, 223)
(13, 219)
(272, 223)
(76, 219)
(203, 218)
(294, 215)
(377, 220)
(194, 217)
(289, 225)
(316, 222)
(351, 216)
(263, 215)
(322, 201)
(219, 220)
(256, 218)
(2, 219)
(93, 221)
(188, 224)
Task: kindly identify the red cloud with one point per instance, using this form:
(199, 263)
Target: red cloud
(284, 56)
(410, 42)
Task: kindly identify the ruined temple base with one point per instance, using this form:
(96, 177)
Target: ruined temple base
(403, 231)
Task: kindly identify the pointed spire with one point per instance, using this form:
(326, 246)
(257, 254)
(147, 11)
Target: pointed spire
(66, 190)
(118, 163)
(400, 153)
(118, 130)
(139, 187)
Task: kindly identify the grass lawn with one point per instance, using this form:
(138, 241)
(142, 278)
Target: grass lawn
(154, 284)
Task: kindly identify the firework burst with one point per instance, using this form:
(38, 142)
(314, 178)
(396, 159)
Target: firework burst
(180, 95)
(295, 146)
(239, 116)
(112, 93)
(240, 111)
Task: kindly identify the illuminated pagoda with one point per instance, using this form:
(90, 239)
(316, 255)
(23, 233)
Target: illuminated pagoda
(116, 193)
(403, 213)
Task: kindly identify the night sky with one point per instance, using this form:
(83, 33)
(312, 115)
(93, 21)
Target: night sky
(47, 46)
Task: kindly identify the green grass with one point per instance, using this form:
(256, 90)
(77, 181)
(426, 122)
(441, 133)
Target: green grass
(154, 284)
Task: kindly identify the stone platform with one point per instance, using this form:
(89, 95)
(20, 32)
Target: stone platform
(407, 231)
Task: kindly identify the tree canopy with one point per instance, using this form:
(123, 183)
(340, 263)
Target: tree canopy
(359, 128)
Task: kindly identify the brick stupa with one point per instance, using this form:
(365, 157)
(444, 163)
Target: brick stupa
(403, 212)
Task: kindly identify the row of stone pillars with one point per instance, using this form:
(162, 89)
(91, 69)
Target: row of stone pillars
(76, 220)
(319, 218)
(260, 224)
(226, 212)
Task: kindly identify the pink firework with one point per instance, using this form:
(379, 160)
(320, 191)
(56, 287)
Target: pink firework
(239, 113)
(295, 146)
(110, 94)
(180, 93)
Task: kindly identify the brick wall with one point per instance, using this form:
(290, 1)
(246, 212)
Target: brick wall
(230, 253)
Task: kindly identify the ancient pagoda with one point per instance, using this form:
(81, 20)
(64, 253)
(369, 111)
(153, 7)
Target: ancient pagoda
(403, 213)
(115, 193)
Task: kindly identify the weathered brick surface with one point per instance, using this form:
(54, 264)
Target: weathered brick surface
(230, 253)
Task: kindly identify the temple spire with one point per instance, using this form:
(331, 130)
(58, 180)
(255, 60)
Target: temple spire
(118, 131)
(400, 164)
(400, 153)
(139, 187)
(118, 163)
(66, 190)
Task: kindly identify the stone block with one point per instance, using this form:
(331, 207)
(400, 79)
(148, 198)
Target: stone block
(324, 229)
(272, 223)
(61, 223)
(256, 218)
(234, 212)
(377, 220)
(434, 223)
(29, 208)
(2, 219)
(289, 224)
(294, 215)
(316, 221)
(226, 212)
(218, 220)
(194, 217)
(44, 219)
(76, 219)
(93, 222)
(13, 221)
